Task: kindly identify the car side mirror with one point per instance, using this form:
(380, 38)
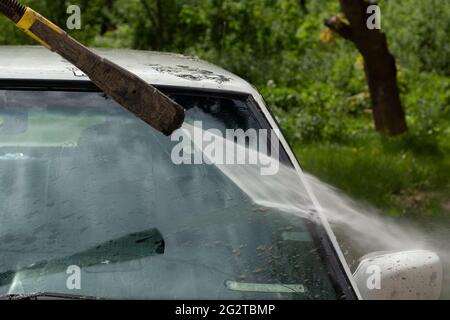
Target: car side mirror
(406, 275)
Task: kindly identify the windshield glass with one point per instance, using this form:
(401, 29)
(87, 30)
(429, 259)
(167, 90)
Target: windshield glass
(92, 203)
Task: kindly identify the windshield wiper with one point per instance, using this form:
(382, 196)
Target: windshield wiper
(51, 295)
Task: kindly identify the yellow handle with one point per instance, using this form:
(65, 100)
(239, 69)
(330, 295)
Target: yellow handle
(27, 21)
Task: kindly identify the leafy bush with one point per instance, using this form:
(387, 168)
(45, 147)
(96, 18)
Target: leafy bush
(418, 33)
(426, 97)
(308, 115)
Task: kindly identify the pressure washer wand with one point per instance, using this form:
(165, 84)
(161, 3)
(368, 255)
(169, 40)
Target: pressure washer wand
(130, 91)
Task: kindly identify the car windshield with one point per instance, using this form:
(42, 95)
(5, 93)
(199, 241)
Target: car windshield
(93, 203)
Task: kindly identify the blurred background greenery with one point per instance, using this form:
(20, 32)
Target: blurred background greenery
(313, 81)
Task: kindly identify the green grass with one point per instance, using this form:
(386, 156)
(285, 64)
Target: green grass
(402, 176)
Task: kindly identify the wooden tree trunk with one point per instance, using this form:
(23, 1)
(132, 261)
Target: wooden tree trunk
(381, 74)
(380, 66)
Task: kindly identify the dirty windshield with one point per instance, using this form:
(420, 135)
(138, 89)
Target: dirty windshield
(92, 202)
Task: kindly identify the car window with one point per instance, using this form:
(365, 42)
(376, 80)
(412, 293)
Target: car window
(85, 184)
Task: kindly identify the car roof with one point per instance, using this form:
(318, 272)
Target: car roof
(157, 68)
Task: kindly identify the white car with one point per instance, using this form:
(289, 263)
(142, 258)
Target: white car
(93, 205)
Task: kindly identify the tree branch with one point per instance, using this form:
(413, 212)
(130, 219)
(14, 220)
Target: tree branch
(340, 27)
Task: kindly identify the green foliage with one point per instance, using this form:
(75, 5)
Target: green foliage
(309, 116)
(418, 31)
(427, 101)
